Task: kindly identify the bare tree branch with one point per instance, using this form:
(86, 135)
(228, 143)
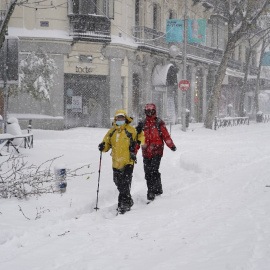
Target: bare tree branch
(21, 180)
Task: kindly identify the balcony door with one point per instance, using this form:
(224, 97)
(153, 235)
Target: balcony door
(138, 12)
(94, 7)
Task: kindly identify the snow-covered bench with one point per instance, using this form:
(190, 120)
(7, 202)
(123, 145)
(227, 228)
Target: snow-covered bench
(8, 140)
(15, 137)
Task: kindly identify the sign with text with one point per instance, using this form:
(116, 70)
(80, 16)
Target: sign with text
(174, 30)
(196, 29)
(77, 104)
(84, 70)
(184, 85)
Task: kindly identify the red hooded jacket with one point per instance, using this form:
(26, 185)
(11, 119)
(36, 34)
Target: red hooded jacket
(154, 144)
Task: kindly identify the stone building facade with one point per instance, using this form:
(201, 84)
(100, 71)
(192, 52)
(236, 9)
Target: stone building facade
(113, 54)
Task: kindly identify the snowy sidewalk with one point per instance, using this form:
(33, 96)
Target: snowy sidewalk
(213, 215)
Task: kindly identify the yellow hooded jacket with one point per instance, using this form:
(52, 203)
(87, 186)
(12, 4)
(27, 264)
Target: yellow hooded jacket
(117, 139)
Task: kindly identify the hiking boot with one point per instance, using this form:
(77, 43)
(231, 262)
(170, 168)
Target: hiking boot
(131, 203)
(150, 196)
(159, 191)
(123, 208)
(122, 211)
(158, 186)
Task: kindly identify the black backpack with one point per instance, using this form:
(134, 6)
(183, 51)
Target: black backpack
(158, 126)
(132, 145)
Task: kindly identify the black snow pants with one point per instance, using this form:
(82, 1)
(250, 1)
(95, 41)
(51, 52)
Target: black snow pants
(152, 175)
(122, 179)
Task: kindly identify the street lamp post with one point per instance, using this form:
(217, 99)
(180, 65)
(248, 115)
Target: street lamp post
(174, 52)
(5, 86)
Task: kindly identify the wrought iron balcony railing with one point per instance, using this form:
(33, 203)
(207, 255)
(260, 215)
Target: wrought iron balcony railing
(152, 39)
(149, 37)
(91, 27)
(204, 52)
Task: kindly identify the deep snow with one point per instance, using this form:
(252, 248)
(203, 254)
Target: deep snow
(213, 215)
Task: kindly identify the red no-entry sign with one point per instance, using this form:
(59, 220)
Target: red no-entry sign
(184, 85)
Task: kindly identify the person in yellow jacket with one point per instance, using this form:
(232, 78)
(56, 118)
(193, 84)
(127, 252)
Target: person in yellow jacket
(124, 142)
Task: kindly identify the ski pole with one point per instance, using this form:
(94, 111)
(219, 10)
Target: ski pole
(98, 180)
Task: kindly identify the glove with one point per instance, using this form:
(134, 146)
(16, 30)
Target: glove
(139, 128)
(173, 148)
(101, 146)
(133, 157)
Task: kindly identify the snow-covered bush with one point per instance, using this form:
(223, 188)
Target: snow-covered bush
(36, 76)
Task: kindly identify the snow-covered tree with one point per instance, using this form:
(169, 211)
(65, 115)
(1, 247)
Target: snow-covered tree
(257, 39)
(240, 15)
(260, 44)
(264, 44)
(36, 75)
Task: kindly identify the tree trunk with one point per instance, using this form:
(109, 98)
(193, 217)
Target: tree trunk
(256, 94)
(219, 77)
(244, 87)
(4, 25)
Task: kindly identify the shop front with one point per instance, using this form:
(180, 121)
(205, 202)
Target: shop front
(86, 100)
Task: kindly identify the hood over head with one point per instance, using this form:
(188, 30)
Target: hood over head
(151, 106)
(122, 112)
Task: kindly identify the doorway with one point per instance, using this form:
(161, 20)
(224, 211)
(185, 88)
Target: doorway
(86, 101)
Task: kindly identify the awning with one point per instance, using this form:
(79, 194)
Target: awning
(159, 76)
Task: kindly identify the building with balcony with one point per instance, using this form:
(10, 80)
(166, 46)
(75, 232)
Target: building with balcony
(113, 54)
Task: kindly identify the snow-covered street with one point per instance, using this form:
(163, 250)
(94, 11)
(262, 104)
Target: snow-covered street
(213, 215)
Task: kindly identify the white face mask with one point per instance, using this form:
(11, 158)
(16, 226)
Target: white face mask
(120, 123)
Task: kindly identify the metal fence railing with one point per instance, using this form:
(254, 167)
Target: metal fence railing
(230, 122)
(266, 118)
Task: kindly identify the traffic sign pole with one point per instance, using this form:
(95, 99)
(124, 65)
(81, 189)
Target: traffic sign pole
(184, 85)
(184, 99)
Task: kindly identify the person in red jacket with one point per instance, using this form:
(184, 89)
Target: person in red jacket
(156, 134)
